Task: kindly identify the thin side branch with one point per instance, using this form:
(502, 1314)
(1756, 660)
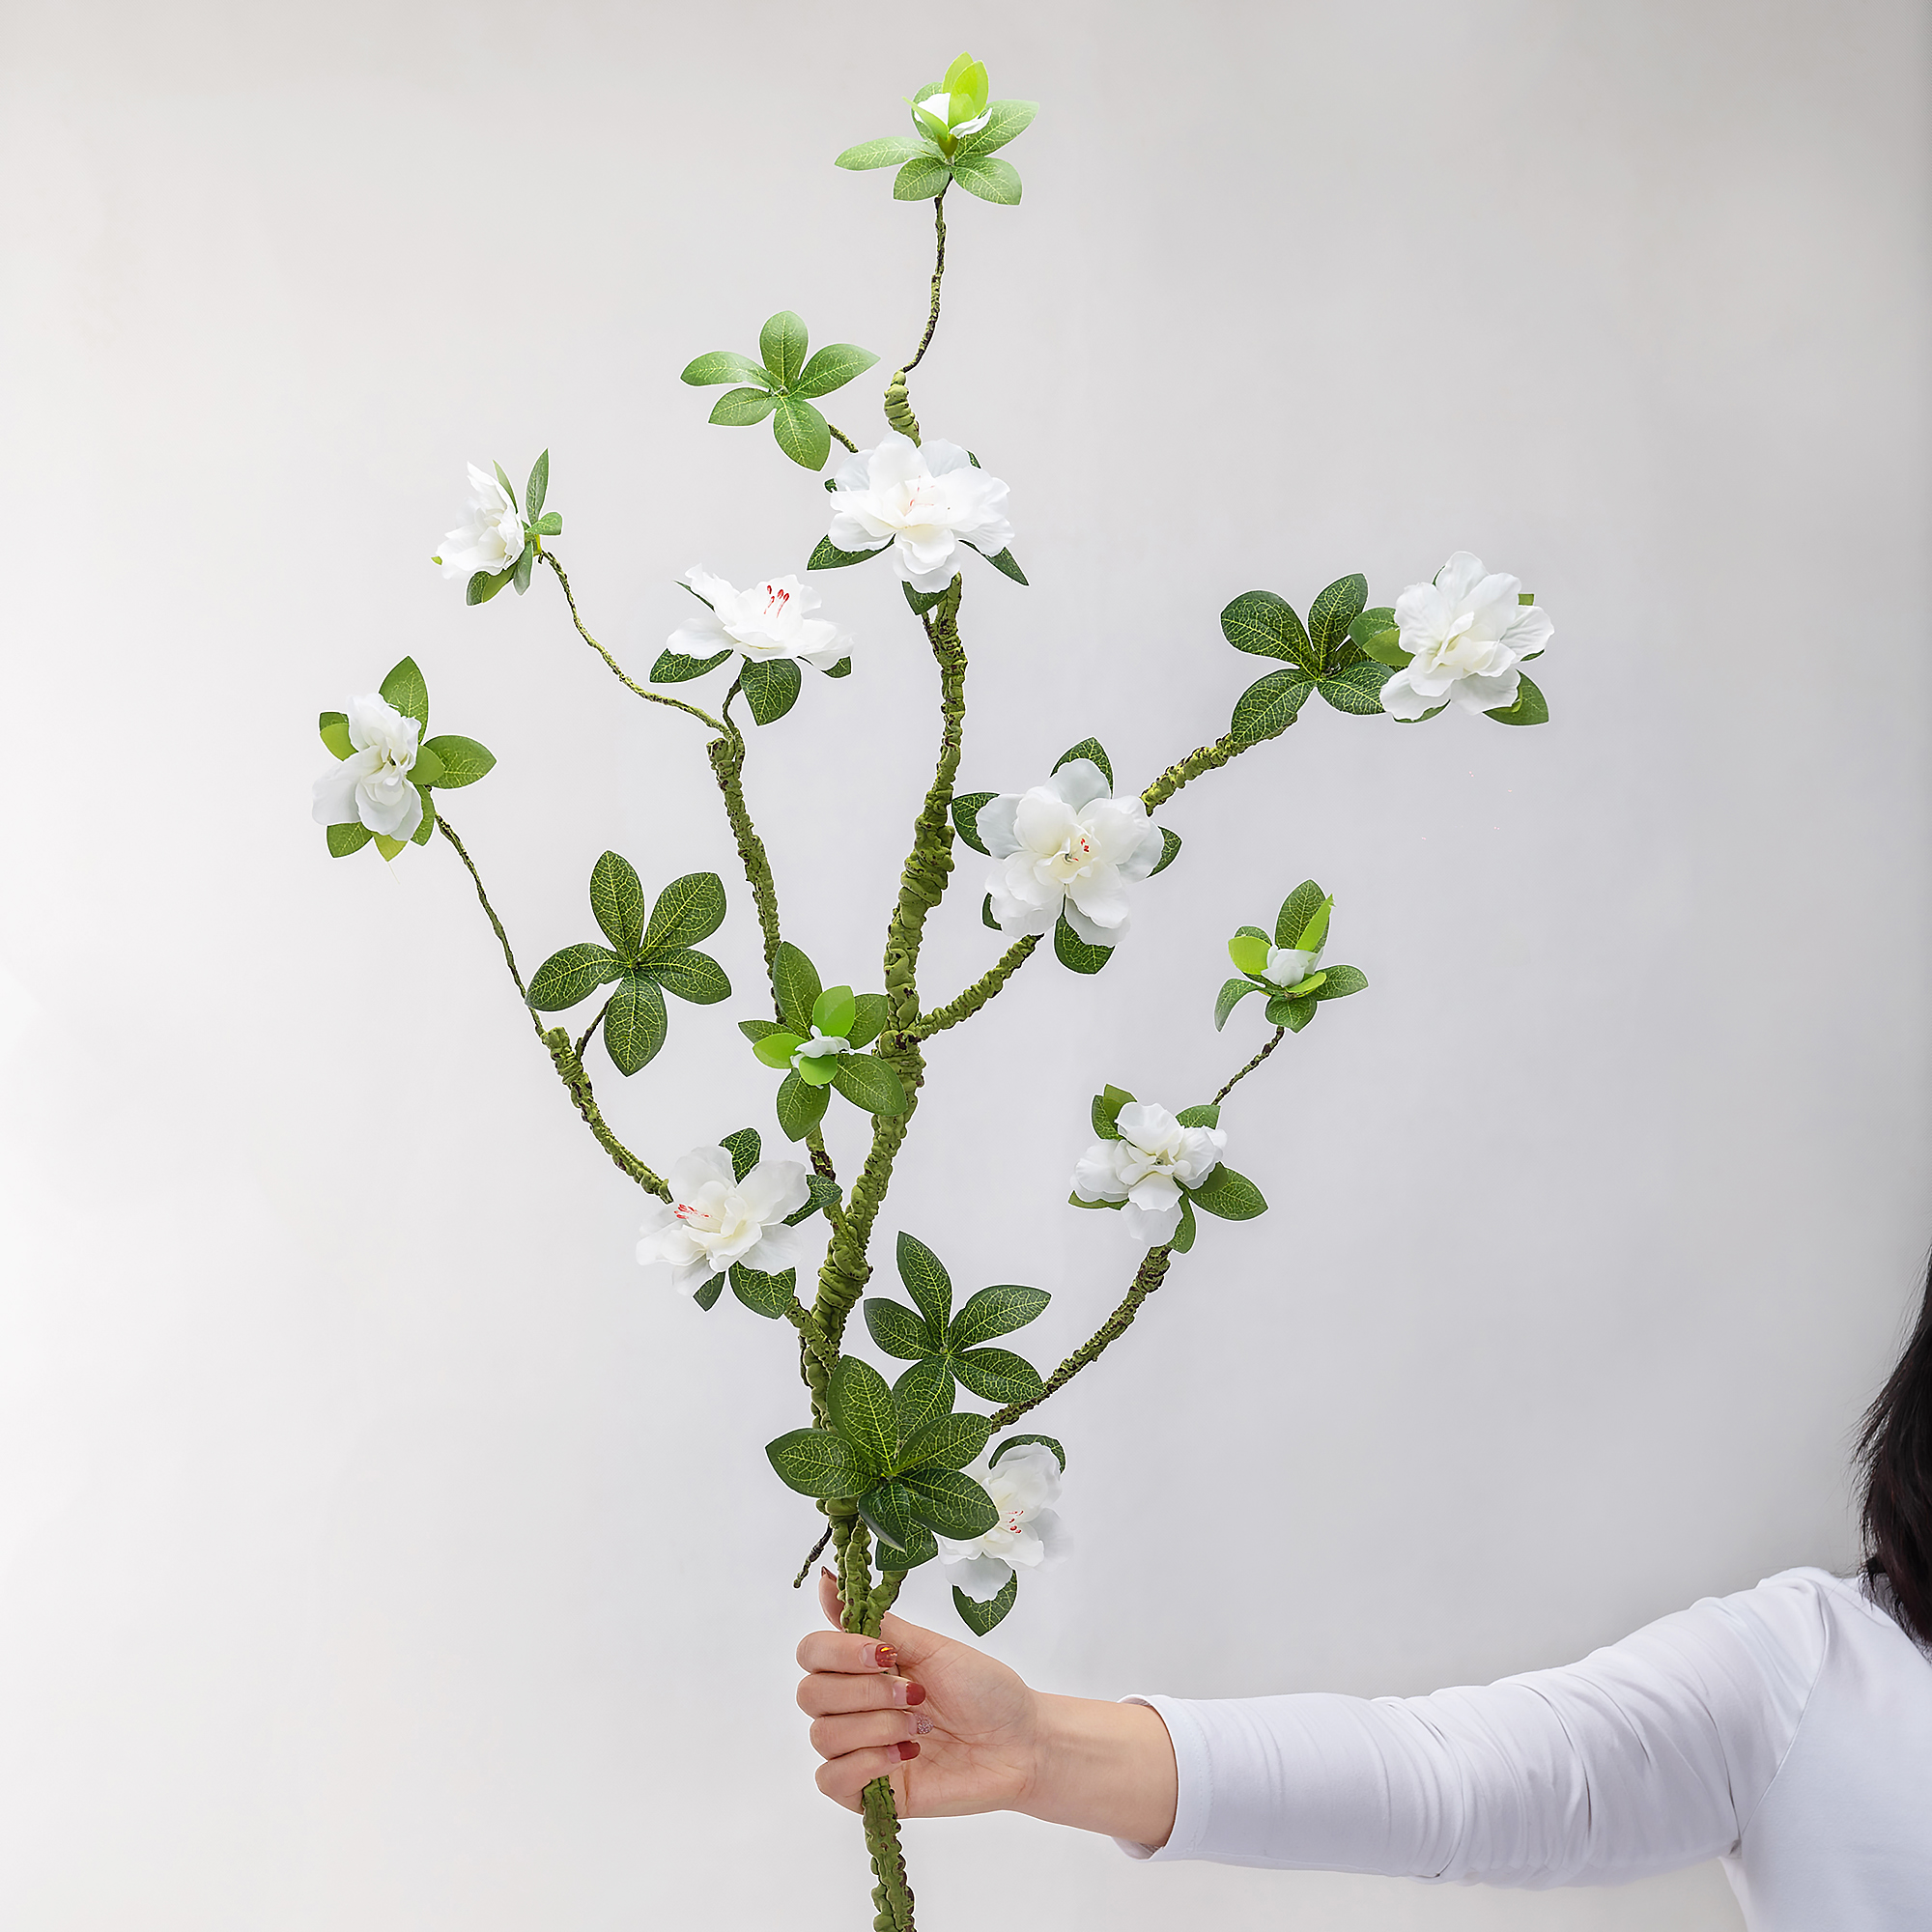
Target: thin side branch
(978, 992)
(938, 275)
(1204, 759)
(843, 436)
(1280, 1033)
(1152, 1271)
(623, 677)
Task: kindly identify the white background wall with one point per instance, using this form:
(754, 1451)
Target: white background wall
(381, 1549)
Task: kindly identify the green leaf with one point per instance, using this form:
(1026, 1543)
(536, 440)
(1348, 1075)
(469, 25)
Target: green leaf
(950, 1503)
(824, 1193)
(550, 525)
(889, 151)
(947, 1443)
(618, 902)
(816, 1070)
(1376, 633)
(1249, 955)
(538, 487)
(743, 1148)
(1074, 953)
(922, 177)
(687, 909)
(1169, 851)
(1268, 706)
(833, 1012)
(483, 584)
(1334, 611)
(817, 1462)
(897, 1330)
(795, 985)
(503, 477)
(923, 601)
(673, 667)
(1014, 1442)
(634, 1024)
(405, 688)
(1105, 1112)
(1207, 1115)
(888, 1508)
(1530, 707)
(1265, 625)
(966, 90)
(1233, 992)
(1074, 1201)
(767, 1294)
(782, 343)
(800, 1107)
(1359, 689)
(802, 434)
(926, 1282)
(832, 368)
(707, 1295)
(1005, 119)
(1184, 1235)
(777, 1048)
(334, 728)
(860, 1402)
(996, 1310)
(520, 576)
(739, 409)
(427, 770)
(1002, 560)
(1092, 750)
(426, 828)
(722, 365)
(757, 1030)
(1339, 982)
(987, 914)
(576, 972)
(900, 1557)
(868, 1018)
(464, 760)
(1293, 1014)
(922, 1392)
(826, 557)
(966, 817)
(982, 1618)
(691, 974)
(988, 177)
(842, 668)
(1233, 1196)
(344, 840)
(997, 1375)
(867, 1082)
(1297, 910)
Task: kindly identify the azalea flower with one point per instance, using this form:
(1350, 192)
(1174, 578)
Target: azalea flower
(493, 537)
(925, 500)
(770, 620)
(1068, 846)
(711, 1220)
(1467, 634)
(1024, 1483)
(1147, 1168)
(373, 786)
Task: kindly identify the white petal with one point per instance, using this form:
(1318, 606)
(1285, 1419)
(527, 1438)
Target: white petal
(700, 635)
(774, 1189)
(1487, 694)
(980, 1577)
(941, 457)
(1044, 821)
(1090, 930)
(705, 1165)
(1097, 1178)
(335, 790)
(1529, 631)
(1080, 781)
(995, 824)
(1460, 575)
(1101, 894)
(1401, 700)
(1152, 1230)
(776, 1249)
(1156, 1193)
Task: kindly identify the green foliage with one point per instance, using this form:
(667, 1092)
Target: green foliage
(1232, 1196)
(945, 1442)
(571, 975)
(1105, 1112)
(767, 1294)
(1293, 1014)
(966, 809)
(1004, 561)
(869, 1013)
(1339, 982)
(743, 1148)
(988, 177)
(344, 840)
(483, 584)
(890, 152)
(537, 488)
(634, 1024)
(707, 1296)
(951, 1347)
(1208, 1114)
(832, 368)
(1233, 992)
(800, 1107)
(334, 728)
(921, 179)
(1530, 707)
(919, 602)
(690, 975)
(782, 346)
(817, 1462)
(1299, 910)
(1006, 120)
(722, 365)
(1265, 625)
(1377, 633)
(687, 909)
(781, 383)
(673, 667)
(996, 1374)
(922, 1392)
(1268, 706)
(1169, 851)
(896, 1329)
(618, 902)
(870, 1082)
(1249, 954)
(1327, 653)
(802, 433)
(983, 1618)
(462, 761)
(996, 1310)
(859, 1404)
(953, 139)
(1073, 952)
(1095, 751)
(826, 556)
(1331, 613)
(950, 1502)
(1184, 1235)
(1356, 688)
(405, 688)
(741, 408)
(771, 686)
(795, 985)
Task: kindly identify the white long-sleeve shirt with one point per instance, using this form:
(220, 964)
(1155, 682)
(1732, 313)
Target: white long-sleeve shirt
(1786, 1730)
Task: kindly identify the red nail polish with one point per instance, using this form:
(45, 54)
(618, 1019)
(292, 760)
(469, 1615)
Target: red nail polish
(906, 1751)
(915, 1693)
(885, 1656)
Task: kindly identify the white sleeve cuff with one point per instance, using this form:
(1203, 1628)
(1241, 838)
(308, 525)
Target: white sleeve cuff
(1194, 1772)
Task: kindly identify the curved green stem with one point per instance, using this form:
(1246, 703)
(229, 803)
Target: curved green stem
(727, 752)
(1204, 759)
(1234, 1080)
(898, 407)
(623, 677)
(977, 993)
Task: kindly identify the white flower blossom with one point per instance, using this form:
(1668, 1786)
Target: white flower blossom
(923, 499)
(711, 1220)
(1467, 635)
(373, 786)
(821, 1046)
(1147, 1168)
(1290, 965)
(1067, 845)
(493, 539)
(1024, 1483)
(770, 620)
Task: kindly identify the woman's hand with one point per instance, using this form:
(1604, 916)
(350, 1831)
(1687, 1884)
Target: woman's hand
(954, 1729)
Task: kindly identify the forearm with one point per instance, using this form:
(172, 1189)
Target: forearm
(1102, 1766)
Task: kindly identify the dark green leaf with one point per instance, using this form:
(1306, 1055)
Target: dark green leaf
(1530, 707)
(870, 1019)
(673, 667)
(758, 1030)
(1092, 750)
(1105, 1112)
(538, 487)
(922, 1392)
(1339, 982)
(1233, 992)
(344, 840)
(1014, 1442)
(923, 601)
(463, 760)
(483, 584)
(520, 576)
(782, 343)
(950, 1503)
(1376, 635)
(799, 1108)
(1183, 1235)
(897, 1330)
(565, 978)
(860, 1402)
(1298, 909)
(1293, 1014)
(722, 365)
(1169, 851)
(1265, 625)
(707, 1295)
(1333, 612)
(768, 1295)
(1233, 1196)
(1207, 1115)
(867, 1082)
(996, 1310)
(1074, 953)
(947, 1443)
(634, 1024)
(1359, 689)
(997, 1375)
(983, 1618)
(920, 179)
(795, 985)
(817, 1462)
(334, 728)
(926, 1282)
(889, 151)
(1005, 119)
(987, 914)
(842, 668)
(1074, 1199)
(1268, 706)
(405, 688)
(739, 409)
(900, 1557)
(618, 902)
(743, 1148)
(832, 368)
(691, 974)
(966, 817)
(826, 557)
(687, 909)
(1004, 561)
(824, 1193)
(888, 1508)
(802, 434)
(988, 177)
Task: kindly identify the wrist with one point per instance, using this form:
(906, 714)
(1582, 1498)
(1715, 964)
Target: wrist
(1102, 1767)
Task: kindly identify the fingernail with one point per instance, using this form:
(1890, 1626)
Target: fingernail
(906, 1751)
(915, 1693)
(886, 1657)
(921, 1725)
(826, 1574)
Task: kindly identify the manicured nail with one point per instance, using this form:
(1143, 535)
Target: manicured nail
(915, 1693)
(886, 1658)
(905, 1752)
(921, 1725)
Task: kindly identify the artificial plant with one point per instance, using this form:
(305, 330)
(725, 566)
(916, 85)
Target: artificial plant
(902, 1473)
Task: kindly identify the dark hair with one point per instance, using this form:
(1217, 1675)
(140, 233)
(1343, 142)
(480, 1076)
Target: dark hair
(1894, 1457)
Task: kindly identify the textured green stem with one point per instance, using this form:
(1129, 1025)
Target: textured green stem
(978, 992)
(841, 435)
(898, 407)
(1152, 1272)
(799, 1317)
(727, 752)
(1204, 759)
(623, 677)
(1234, 1080)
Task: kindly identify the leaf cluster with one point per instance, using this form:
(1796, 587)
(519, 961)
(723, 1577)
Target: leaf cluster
(1224, 1193)
(646, 958)
(442, 764)
(956, 145)
(538, 524)
(808, 1011)
(1321, 655)
(1301, 926)
(945, 1346)
(781, 384)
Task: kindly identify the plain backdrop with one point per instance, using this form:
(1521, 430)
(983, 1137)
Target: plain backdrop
(382, 1548)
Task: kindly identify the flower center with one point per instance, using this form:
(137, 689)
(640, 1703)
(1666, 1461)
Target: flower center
(699, 1219)
(776, 600)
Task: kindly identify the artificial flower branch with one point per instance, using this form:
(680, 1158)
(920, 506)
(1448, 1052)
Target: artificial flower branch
(622, 675)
